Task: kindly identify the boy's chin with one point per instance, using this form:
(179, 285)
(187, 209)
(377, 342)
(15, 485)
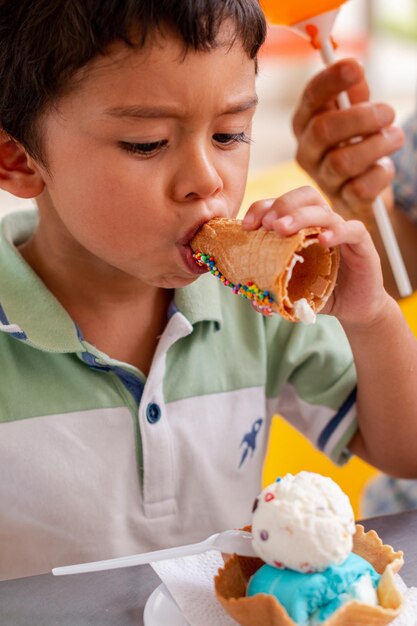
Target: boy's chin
(177, 282)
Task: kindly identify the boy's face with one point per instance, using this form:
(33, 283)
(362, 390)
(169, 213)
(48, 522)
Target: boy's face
(148, 146)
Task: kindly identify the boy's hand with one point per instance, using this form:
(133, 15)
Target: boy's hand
(359, 297)
(350, 171)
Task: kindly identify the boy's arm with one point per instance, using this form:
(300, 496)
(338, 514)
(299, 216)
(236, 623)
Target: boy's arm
(353, 173)
(384, 349)
(385, 357)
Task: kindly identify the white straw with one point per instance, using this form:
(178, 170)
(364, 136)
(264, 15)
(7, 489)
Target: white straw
(380, 212)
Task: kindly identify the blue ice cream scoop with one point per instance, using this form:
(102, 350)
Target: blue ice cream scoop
(311, 598)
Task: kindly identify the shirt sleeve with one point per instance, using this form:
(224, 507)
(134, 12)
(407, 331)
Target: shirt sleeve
(405, 160)
(312, 384)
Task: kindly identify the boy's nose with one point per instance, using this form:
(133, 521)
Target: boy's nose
(196, 177)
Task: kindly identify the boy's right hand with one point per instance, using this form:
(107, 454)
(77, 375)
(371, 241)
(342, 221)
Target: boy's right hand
(359, 298)
(351, 172)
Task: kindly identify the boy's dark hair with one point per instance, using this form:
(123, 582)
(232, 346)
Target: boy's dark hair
(44, 42)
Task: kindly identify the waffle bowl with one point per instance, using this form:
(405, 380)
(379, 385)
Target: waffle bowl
(288, 269)
(265, 610)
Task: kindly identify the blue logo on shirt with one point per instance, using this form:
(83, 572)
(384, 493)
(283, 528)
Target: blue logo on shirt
(249, 440)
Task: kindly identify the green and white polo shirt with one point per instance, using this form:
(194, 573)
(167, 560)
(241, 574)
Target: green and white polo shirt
(97, 461)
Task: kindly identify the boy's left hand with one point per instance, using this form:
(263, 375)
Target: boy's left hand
(359, 296)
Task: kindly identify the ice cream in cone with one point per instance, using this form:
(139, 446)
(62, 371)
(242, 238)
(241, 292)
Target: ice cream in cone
(344, 596)
(284, 275)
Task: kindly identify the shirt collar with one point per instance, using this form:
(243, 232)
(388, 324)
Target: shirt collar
(24, 299)
(200, 301)
(41, 321)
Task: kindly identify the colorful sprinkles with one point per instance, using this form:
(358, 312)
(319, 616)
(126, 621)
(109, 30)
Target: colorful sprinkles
(262, 300)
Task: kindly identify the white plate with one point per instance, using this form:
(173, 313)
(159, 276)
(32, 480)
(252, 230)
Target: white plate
(162, 610)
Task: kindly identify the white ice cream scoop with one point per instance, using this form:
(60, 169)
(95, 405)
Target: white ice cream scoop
(303, 522)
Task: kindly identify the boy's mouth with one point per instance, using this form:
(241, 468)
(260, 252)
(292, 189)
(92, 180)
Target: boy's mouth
(191, 233)
(190, 262)
(187, 253)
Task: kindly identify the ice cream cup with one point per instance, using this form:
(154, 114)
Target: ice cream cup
(265, 610)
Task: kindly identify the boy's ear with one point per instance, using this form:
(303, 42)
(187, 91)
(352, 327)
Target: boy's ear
(16, 174)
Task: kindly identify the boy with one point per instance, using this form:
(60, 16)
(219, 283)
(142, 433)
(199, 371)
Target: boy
(136, 399)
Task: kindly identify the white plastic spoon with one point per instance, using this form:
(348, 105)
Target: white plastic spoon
(229, 541)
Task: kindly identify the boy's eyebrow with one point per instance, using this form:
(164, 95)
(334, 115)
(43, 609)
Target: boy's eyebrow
(136, 111)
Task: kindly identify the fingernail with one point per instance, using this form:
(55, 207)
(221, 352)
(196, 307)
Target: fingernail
(269, 218)
(286, 221)
(326, 236)
(383, 114)
(350, 74)
(386, 163)
(249, 219)
(393, 133)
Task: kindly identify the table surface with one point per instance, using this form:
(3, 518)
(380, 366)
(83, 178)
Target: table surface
(118, 597)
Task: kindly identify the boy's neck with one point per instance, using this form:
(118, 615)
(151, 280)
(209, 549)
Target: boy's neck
(117, 313)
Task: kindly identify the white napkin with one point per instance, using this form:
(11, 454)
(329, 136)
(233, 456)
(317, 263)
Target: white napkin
(408, 616)
(190, 582)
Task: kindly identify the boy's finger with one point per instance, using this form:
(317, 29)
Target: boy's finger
(352, 160)
(253, 217)
(290, 203)
(330, 129)
(337, 231)
(264, 212)
(353, 234)
(321, 92)
(364, 189)
(305, 217)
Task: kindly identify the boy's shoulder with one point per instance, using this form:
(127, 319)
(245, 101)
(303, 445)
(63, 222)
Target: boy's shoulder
(37, 336)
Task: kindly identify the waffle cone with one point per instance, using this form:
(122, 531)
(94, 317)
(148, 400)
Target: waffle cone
(265, 610)
(270, 261)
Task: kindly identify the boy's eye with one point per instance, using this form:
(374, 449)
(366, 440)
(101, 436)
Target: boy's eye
(228, 139)
(144, 149)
